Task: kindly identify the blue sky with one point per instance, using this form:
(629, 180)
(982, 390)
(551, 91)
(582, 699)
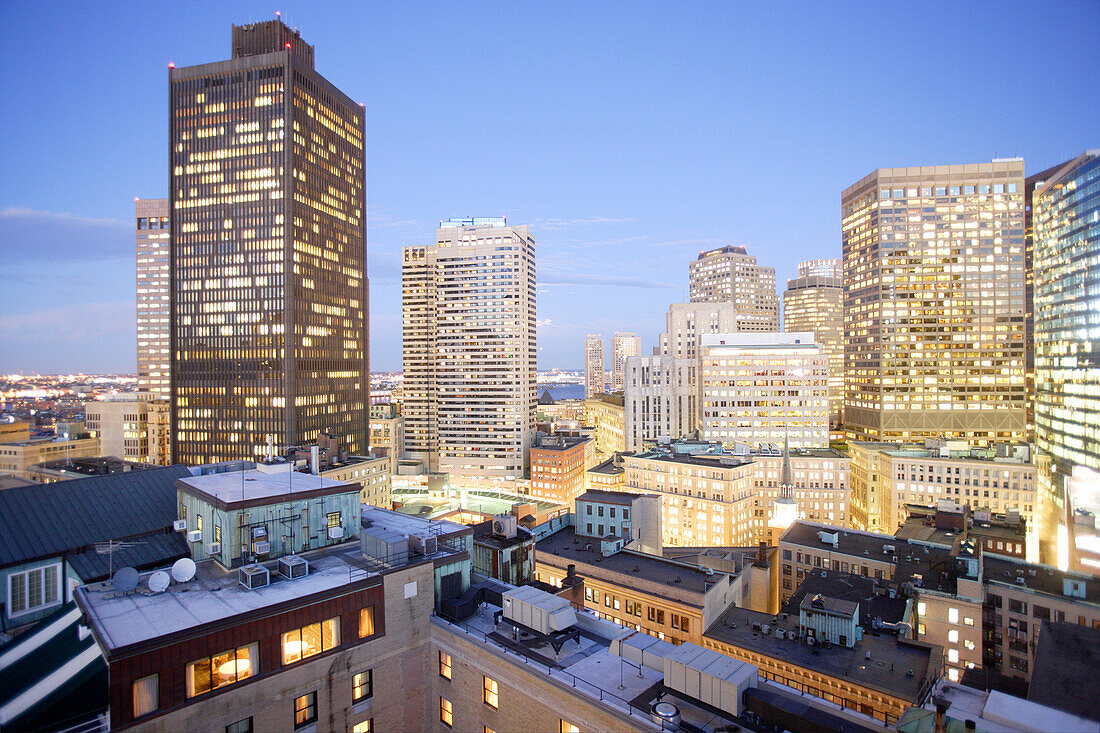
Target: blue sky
(629, 136)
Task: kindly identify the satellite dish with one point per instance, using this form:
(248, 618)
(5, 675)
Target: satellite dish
(158, 582)
(183, 570)
(126, 579)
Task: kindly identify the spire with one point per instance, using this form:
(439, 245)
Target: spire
(786, 475)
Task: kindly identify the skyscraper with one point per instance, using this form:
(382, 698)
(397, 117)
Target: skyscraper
(469, 348)
(154, 317)
(687, 323)
(594, 380)
(814, 302)
(731, 275)
(624, 346)
(268, 255)
(1066, 217)
(934, 303)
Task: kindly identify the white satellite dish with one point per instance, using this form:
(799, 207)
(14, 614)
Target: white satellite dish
(126, 579)
(183, 570)
(158, 582)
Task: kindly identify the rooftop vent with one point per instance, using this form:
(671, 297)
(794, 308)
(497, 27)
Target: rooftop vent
(292, 566)
(253, 576)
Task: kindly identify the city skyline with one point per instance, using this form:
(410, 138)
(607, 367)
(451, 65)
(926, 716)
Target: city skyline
(611, 256)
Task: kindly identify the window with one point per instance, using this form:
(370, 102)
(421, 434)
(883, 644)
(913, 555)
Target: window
(34, 589)
(953, 636)
(226, 668)
(626, 513)
(146, 695)
(305, 709)
(445, 714)
(217, 533)
(366, 622)
(685, 624)
(953, 656)
(363, 686)
(198, 522)
(568, 728)
(444, 665)
(491, 693)
(589, 508)
(309, 640)
(241, 726)
(333, 519)
(367, 726)
(952, 615)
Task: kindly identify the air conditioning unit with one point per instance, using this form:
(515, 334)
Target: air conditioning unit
(425, 545)
(194, 535)
(335, 533)
(213, 548)
(253, 576)
(180, 525)
(292, 566)
(259, 533)
(262, 547)
(504, 526)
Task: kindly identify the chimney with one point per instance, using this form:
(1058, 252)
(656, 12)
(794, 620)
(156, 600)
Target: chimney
(314, 459)
(941, 714)
(762, 553)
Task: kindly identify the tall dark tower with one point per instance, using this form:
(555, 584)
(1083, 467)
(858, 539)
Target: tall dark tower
(268, 257)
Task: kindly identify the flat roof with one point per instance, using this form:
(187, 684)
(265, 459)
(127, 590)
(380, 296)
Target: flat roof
(557, 445)
(559, 550)
(608, 467)
(213, 595)
(612, 497)
(254, 486)
(886, 670)
(405, 524)
(714, 460)
(1037, 577)
(849, 587)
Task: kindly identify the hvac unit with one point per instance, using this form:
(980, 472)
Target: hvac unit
(213, 548)
(194, 535)
(335, 533)
(422, 544)
(263, 547)
(253, 576)
(180, 525)
(292, 566)
(504, 526)
(259, 533)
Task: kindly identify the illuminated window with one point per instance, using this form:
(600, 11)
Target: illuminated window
(444, 665)
(953, 615)
(305, 709)
(566, 727)
(953, 656)
(363, 686)
(226, 668)
(953, 636)
(146, 695)
(333, 519)
(366, 622)
(367, 726)
(445, 715)
(491, 693)
(310, 640)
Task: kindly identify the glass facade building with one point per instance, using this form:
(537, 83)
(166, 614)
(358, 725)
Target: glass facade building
(268, 256)
(934, 311)
(814, 302)
(1066, 221)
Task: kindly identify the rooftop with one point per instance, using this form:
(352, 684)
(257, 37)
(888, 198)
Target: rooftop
(240, 489)
(1037, 577)
(483, 535)
(1067, 662)
(849, 587)
(560, 443)
(674, 579)
(991, 711)
(887, 668)
(715, 460)
(123, 619)
(612, 466)
(611, 497)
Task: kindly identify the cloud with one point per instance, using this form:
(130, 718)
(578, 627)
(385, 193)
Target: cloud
(379, 218)
(705, 243)
(557, 224)
(85, 323)
(605, 281)
(29, 235)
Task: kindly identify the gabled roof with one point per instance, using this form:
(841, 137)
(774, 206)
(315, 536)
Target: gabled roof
(48, 520)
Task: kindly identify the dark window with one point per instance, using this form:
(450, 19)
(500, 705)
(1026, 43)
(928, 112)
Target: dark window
(589, 509)
(599, 511)
(241, 726)
(1040, 612)
(786, 554)
(305, 709)
(626, 513)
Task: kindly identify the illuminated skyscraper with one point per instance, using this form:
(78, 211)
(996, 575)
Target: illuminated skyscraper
(594, 379)
(154, 357)
(624, 346)
(1066, 217)
(469, 349)
(814, 302)
(731, 275)
(934, 303)
(268, 256)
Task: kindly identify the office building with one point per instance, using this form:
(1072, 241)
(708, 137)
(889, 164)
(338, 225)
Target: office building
(387, 433)
(594, 379)
(660, 399)
(814, 303)
(934, 303)
(268, 253)
(131, 425)
(731, 275)
(154, 312)
(558, 466)
(888, 476)
(687, 323)
(18, 458)
(764, 388)
(1065, 211)
(606, 415)
(623, 518)
(624, 346)
(469, 349)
